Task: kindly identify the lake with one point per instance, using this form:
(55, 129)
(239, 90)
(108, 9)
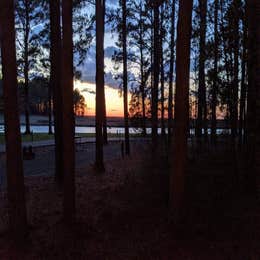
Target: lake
(111, 130)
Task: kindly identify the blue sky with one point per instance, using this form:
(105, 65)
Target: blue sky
(88, 68)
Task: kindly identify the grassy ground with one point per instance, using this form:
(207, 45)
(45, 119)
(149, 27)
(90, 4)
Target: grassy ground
(29, 138)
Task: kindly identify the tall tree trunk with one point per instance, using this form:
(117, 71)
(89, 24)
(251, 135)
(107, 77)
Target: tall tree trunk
(55, 81)
(235, 87)
(142, 89)
(257, 69)
(202, 106)
(156, 66)
(125, 80)
(26, 69)
(215, 82)
(99, 83)
(105, 140)
(14, 164)
(162, 70)
(68, 113)
(253, 106)
(177, 177)
(172, 54)
(243, 83)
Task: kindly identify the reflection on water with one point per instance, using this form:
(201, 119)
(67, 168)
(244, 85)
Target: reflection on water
(111, 130)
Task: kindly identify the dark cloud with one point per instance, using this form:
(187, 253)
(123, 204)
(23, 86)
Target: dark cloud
(109, 51)
(88, 90)
(88, 69)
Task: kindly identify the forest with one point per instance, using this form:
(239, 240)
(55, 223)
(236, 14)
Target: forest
(188, 73)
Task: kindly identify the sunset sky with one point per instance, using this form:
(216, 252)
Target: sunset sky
(114, 102)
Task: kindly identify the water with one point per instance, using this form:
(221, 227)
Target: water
(81, 129)
(110, 130)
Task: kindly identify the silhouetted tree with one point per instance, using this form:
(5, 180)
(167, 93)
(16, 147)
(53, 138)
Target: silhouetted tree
(172, 54)
(28, 15)
(55, 81)
(79, 103)
(125, 77)
(253, 106)
(244, 72)
(156, 70)
(202, 105)
(181, 106)
(14, 164)
(215, 79)
(99, 83)
(68, 113)
(162, 69)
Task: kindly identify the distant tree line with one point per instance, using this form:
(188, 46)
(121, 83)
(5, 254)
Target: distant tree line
(39, 100)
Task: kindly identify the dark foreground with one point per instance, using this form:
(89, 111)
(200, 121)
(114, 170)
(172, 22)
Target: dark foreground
(123, 214)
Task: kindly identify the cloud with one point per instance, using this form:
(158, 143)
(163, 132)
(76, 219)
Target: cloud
(89, 90)
(88, 68)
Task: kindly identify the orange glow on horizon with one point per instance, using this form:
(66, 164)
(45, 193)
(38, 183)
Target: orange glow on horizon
(114, 102)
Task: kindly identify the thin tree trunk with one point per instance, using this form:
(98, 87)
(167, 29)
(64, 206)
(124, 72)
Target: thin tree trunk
(162, 71)
(234, 98)
(177, 177)
(99, 83)
(156, 66)
(172, 54)
(104, 96)
(55, 81)
(68, 113)
(215, 82)
(14, 163)
(243, 84)
(125, 80)
(202, 106)
(142, 88)
(26, 69)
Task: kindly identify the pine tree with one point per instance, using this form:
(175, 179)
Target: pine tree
(68, 113)
(99, 83)
(14, 163)
(181, 107)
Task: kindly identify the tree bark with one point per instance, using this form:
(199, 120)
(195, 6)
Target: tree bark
(202, 106)
(253, 105)
(142, 88)
(243, 91)
(162, 70)
(14, 163)
(156, 66)
(99, 83)
(215, 82)
(104, 96)
(68, 113)
(177, 177)
(234, 91)
(125, 77)
(172, 54)
(26, 69)
(55, 82)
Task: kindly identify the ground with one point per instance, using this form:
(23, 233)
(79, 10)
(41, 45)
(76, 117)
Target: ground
(123, 213)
